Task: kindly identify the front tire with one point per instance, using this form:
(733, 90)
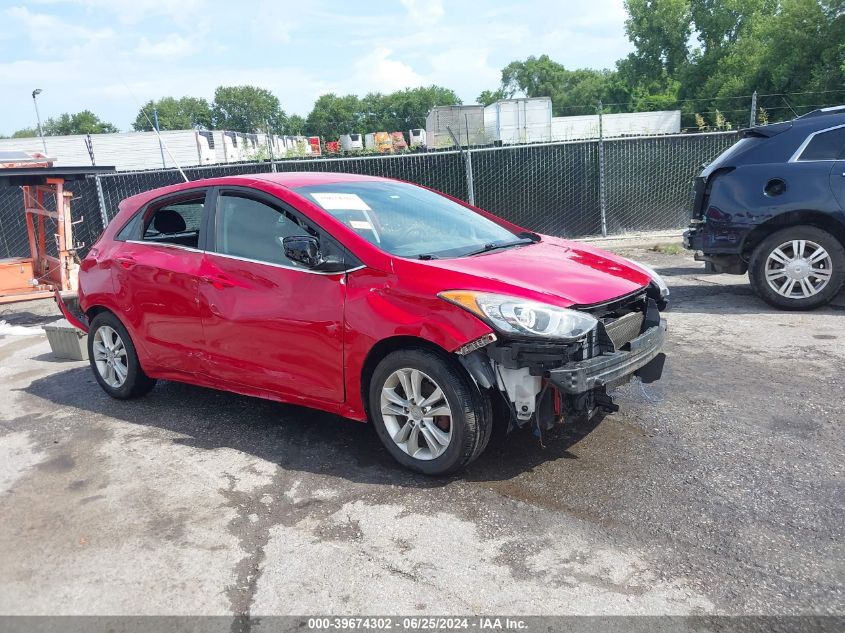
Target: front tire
(428, 412)
(114, 360)
(798, 268)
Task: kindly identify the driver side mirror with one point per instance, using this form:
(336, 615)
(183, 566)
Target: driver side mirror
(305, 250)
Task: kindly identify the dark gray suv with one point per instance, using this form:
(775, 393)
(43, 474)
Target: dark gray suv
(773, 205)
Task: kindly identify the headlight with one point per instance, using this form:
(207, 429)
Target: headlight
(656, 278)
(521, 317)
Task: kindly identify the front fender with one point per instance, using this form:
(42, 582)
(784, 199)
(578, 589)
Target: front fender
(376, 310)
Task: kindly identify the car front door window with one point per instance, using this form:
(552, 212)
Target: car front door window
(251, 229)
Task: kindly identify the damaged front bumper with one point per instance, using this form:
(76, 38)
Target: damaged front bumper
(546, 382)
(611, 368)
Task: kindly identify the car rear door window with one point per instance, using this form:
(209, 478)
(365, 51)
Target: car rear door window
(829, 145)
(253, 229)
(176, 223)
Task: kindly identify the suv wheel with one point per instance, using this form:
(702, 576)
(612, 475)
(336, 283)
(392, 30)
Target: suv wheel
(114, 360)
(798, 268)
(427, 411)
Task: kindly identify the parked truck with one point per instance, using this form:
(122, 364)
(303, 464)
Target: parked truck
(512, 121)
(417, 136)
(466, 122)
(351, 142)
(379, 141)
(575, 128)
(398, 140)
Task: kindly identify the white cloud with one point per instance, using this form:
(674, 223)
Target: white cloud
(466, 70)
(82, 51)
(277, 19)
(50, 34)
(173, 45)
(378, 72)
(134, 11)
(424, 12)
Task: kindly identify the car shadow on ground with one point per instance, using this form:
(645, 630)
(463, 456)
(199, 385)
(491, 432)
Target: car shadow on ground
(13, 317)
(296, 438)
(731, 299)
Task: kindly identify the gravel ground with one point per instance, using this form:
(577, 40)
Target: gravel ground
(716, 491)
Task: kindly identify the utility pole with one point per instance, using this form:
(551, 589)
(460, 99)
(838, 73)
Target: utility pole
(753, 120)
(35, 93)
(158, 133)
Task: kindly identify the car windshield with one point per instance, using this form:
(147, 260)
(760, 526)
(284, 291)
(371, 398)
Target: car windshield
(409, 221)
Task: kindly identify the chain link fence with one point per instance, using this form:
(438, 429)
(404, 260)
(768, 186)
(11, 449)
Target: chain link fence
(573, 189)
(648, 182)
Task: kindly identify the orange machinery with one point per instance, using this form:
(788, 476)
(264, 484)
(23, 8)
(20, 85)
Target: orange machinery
(46, 207)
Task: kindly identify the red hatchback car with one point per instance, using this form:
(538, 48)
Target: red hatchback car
(370, 298)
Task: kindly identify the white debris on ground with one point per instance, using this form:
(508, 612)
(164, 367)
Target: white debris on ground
(7, 329)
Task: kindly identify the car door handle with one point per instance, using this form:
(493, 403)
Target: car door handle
(125, 260)
(218, 281)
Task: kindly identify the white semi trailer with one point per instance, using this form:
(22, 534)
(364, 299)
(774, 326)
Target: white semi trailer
(513, 121)
(466, 122)
(575, 128)
(351, 142)
(141, 150)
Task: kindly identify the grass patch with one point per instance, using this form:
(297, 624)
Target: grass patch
(667, 249)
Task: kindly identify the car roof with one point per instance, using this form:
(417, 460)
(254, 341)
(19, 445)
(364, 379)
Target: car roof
(289, 180)
(821, 119)
(292, 179)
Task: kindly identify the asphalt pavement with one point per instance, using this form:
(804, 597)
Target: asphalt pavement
(718, 490)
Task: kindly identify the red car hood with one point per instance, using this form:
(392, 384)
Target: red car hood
(554, 271)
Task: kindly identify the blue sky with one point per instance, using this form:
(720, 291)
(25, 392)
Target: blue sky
(109, 56)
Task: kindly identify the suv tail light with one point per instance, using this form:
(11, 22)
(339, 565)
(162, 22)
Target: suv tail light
(703, 187)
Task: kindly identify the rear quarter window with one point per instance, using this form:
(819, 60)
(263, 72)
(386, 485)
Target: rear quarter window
(827, 145)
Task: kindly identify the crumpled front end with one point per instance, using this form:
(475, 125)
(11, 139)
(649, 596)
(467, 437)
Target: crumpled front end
(547, 382)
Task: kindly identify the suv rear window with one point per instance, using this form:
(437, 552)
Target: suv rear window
(829, 145)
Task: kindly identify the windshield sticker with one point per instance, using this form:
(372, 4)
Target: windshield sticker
(341, 202)
(361, 224)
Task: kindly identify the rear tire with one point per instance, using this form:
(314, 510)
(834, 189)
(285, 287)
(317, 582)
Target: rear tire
(798, 268)
(404, 390)
(114, 360)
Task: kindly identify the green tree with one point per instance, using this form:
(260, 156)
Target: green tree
(739, 46)
(174, 114)
(398, 111)
(491, 96)
(85, 122)
(295, 125)
(660, 31)
(26, 132)
(571, 91)
(332, 116)
(247, 109)
(406, 109)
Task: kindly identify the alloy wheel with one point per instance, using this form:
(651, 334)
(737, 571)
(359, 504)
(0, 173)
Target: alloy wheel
(798, 269)
(416, 414)
(110, 356)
